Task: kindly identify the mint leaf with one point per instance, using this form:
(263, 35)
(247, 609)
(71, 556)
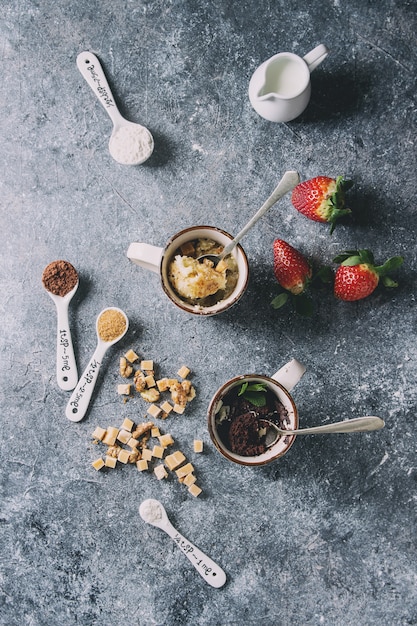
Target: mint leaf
(255, 398)
(243, 389)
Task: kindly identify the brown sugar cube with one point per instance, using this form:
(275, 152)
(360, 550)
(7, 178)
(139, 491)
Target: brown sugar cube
(124, 390)
(110, 461)
(166, 407)
(133, 443)
(142, 465)
(189, 479)
(111, 435)
(198, 445)
(131, 356)
(123, 456)
(127, 424)
(183, 371)
(124, 436)
(194, 490)
(158, 452)
(160, 472)
(178, 408)
(98, 464)
(166, 440)
(150, 381)
(155, 432)
(184, 470)
(146, 454)
(162, 384)
(146, 365)
(187, 248)
(99, 433)
(154, 411)
(174, 460)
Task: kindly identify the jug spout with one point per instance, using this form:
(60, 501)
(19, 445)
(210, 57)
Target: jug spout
(264, 95)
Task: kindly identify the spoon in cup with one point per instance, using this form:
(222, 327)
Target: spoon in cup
(111, 326)
(290, 179)
(358, 424)
(130, 143)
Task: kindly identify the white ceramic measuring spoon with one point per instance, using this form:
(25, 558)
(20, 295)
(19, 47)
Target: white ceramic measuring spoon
(152, 512)
(289, 180)
(130, 143)
(81, 396)
(66, 366)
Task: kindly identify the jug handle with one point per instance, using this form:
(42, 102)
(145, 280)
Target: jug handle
(145, 255)
(290, 374)
(316, 56)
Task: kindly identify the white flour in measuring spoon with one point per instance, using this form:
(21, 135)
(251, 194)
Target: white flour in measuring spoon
(130, 143)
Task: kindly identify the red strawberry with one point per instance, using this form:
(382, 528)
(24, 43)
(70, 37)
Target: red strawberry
(357, 276)
(322, 199)
(291, 269)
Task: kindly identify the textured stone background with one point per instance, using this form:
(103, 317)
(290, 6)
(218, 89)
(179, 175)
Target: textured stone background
(327, 534)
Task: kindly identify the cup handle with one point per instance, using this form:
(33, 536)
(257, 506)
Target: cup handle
(145, 255)
(289, 375)
(316, 56)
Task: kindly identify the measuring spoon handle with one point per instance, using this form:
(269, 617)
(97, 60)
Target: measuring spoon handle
(290, 179)
(66, 366)
(80, 399)
(205, 566)
(92, 71)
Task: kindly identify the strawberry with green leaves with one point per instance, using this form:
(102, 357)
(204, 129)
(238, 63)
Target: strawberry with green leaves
(294, 273)
(322, 199)
(357, 275)
(291, 268)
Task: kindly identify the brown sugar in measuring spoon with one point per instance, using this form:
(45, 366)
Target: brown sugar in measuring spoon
(60, 280)
(111, 325)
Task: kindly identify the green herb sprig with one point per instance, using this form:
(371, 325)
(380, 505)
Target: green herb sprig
(255, 393)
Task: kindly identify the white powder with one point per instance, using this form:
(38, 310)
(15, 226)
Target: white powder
(131, 144)
(150, 511)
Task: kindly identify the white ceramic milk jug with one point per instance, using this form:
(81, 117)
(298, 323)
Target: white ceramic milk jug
(280, 88)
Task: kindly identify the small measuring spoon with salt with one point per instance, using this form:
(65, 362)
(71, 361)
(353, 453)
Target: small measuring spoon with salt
(130, 143)
(111, 326)
(60, 279)
(152, 512)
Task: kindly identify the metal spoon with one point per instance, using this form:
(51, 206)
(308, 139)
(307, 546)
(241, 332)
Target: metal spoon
(358, 424)
(81, 396)
(153, 512)
(135, 140)
(66, 366)
(290, 179)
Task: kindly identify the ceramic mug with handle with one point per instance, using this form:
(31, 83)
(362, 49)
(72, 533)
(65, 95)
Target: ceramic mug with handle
(280, 385)
(158, 260)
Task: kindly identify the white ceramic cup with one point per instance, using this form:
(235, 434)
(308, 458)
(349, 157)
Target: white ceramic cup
(280, 88)
(158, 260)
(281, 383)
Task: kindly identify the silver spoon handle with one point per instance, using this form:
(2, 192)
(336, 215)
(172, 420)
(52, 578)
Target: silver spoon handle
(290, 179)
(92, 71)
(358, 424)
